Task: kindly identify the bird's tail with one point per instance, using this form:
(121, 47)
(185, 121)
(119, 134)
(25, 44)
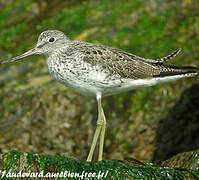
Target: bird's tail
(184, 71)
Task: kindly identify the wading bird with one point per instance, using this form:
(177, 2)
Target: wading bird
(98, 71)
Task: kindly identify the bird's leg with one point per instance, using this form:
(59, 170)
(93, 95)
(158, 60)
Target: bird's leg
(97, 131)
(102, 134)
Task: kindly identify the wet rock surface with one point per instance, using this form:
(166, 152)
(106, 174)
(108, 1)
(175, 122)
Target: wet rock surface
(178, 131)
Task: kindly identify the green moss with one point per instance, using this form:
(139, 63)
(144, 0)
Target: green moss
(30, 158)
(115, 169)
(132, 169)
(12, 160)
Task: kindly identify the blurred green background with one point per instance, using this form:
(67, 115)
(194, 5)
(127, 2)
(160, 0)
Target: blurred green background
(39, 115)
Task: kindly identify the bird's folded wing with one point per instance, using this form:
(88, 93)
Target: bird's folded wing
(129, 65)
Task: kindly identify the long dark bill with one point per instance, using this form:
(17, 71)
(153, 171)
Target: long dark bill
(26, 54)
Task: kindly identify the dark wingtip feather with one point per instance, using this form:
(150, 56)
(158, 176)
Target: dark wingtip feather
(175, 73)
(172, 70)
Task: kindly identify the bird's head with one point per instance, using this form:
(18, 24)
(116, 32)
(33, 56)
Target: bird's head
(47, 43)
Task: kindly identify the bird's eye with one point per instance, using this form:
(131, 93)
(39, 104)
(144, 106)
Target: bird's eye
(52, 39)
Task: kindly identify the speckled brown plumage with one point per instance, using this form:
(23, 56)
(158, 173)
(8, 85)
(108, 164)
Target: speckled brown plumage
(128, 65)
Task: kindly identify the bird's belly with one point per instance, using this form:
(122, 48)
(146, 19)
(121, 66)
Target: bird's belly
(92, 84)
